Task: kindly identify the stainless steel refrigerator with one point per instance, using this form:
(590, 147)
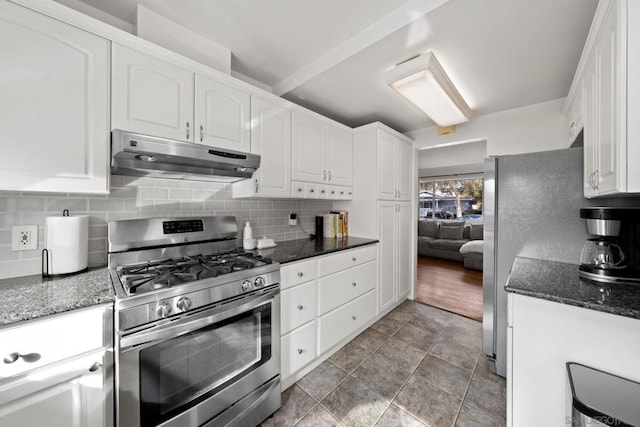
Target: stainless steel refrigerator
(531, 208)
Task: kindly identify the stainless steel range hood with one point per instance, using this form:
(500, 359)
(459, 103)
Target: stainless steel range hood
(142, 155)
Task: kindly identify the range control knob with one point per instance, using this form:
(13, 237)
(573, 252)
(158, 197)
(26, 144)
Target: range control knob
(246, 285)
(184, 304)
(163, 309)
(259, 282)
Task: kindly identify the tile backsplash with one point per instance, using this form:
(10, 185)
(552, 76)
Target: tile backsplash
(132, 197)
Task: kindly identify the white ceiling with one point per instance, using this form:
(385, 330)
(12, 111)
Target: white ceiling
(329, 55)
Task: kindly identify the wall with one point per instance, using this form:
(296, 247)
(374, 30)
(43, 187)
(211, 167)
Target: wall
(538, 127)
(453, 159)
(132, 197)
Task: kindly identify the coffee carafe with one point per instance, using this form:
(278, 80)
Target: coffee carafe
(613, 256)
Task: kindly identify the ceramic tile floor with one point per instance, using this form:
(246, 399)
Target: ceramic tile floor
(417, 366)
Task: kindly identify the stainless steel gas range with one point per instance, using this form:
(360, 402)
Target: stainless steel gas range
(197, 324)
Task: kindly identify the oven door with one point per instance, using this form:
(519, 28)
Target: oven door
(188, 371)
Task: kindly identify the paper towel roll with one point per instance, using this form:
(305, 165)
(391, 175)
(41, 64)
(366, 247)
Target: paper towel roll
(67, 241)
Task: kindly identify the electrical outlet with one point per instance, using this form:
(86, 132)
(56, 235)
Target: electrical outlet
(293, 219)
(24, 237)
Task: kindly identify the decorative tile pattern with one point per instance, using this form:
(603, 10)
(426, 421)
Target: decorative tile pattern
(322, 380)
(132, 197)
(354, 404)
(428, 403)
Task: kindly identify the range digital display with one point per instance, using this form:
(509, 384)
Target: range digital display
(184, 226)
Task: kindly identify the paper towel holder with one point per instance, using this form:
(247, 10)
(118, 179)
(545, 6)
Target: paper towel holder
(44, 260)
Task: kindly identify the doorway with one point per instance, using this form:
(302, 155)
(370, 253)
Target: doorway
(450, 244)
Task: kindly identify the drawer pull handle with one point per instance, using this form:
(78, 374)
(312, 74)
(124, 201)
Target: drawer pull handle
(29, 358)
(95, 367)
(353, 317)
(353, 259)
(300, 274)
(354, 284)
(300, 351)
(300, 307)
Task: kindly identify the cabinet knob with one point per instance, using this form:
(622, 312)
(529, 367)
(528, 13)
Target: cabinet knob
(29, 357)
(299, 189)
(300, 274)
(324, 175)
(312, 191)
(353, 317)
(188, 130)
(95, 367)
(353, 259)
(300, 351)
(354, 284)
(329, 174)
(256, 185)
(300, 307)
(201, 133)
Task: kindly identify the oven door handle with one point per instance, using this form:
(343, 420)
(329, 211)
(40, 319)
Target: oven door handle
(195, 322)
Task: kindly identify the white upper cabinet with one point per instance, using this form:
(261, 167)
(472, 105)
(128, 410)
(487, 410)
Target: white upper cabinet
(339, 155)
(222, 115)
(394, 167)
(611, 95)
(309, 148)
(322, 152)
(54, 105)
(271, 139)
(151, 96)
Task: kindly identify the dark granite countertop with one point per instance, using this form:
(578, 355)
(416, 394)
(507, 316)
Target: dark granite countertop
(295, 250)
(32, 297)
(559, 282)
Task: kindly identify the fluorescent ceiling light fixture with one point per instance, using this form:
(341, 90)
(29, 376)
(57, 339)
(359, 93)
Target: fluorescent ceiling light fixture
(425, 84)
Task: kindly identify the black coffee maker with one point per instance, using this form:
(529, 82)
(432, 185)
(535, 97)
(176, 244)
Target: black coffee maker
(613, 256)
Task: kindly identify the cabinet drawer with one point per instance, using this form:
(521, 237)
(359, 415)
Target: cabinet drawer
(297, 306)
(345, 259)
(335, 326)
(53, 339)
(339, 288)
(296, 273)
(298, 349)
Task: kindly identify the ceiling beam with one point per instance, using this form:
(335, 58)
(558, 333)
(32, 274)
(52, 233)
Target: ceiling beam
(370, 35)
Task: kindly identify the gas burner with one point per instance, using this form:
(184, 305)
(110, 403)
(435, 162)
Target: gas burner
(165, 273)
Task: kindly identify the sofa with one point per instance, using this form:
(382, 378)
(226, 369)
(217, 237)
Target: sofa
(451, 240)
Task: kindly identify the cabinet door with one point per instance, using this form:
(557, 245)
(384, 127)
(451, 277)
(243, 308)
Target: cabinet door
(404, 169)
(54, 105)
(271, 138)
(404, 254)
(608, 139)
(590, 147)
(71, 393)
(386, 166)
(222, 115)
(151, 96)
(386, 253)
(308, 148)
(339, 155)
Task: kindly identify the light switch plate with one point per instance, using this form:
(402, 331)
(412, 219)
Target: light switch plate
(24, 237)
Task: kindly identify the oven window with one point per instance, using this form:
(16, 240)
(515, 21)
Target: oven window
(180, 372)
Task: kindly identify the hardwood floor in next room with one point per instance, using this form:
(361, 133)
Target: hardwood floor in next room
(450, 286)
(417, 366)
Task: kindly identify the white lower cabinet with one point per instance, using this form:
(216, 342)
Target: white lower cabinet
(325, 300)
(395, 257)
(542, 337)
(57, 371)
(69, 393)
(342, 322)
(298, 349)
